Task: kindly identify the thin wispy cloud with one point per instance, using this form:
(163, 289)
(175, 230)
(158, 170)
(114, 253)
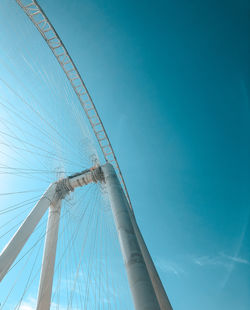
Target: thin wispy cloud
(168, 267)
(238, 259)
(220, 260)
(211, 261)
(227, 262)
(235, 258)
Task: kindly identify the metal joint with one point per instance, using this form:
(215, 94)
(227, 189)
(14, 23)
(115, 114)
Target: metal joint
(97, 174)
(63, 188)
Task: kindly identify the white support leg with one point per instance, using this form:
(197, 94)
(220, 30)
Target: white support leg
(154, 276)
(49, 255)
(141, 286)
(54, 193)
(13, 248)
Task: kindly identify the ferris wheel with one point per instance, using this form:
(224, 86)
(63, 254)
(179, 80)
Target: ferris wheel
(39, 148)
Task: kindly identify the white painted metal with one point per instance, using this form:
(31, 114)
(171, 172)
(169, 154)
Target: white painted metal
(147, 289)
(13, 248)
(141, 286)
(49, 255)
(154, 276)
(83, 178)
(51, 198)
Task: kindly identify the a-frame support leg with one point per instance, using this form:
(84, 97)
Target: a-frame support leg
(49, 256)
(140, 283)
(13, 248)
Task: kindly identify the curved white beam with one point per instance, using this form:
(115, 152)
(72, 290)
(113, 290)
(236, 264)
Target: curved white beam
(44, 26)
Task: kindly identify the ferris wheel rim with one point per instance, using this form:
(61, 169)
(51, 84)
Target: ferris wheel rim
(56, 45)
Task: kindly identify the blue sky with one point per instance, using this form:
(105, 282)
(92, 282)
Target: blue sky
(171, 83)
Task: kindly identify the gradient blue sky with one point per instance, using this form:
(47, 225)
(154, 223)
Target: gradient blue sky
(171, 83)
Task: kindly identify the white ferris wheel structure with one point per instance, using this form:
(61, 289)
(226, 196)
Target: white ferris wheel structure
(145, 285)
